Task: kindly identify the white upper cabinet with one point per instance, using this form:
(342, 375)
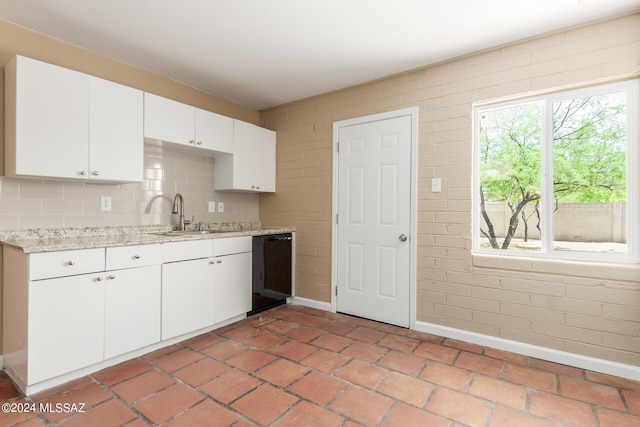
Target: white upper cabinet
(213, 131)
(167, 120)
(252, 167)
(60, 123)
(116, 149)
(46, 120)
(171, 121)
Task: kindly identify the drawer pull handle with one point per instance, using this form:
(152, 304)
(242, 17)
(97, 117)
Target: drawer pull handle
(136, 256)
(72, 262)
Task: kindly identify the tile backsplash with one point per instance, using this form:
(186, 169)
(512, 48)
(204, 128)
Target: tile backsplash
(38, 203)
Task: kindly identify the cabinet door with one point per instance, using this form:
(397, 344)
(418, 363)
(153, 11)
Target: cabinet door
(266, 147)
(167, 120)
(232, 283)
(66, 324)
(51, 133)
(254, 158)
(213, 131)
(187, 297)
(132, 309)
(116, 150)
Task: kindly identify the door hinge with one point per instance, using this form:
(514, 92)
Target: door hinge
(336, 291)
(337, 147)
(337, 218)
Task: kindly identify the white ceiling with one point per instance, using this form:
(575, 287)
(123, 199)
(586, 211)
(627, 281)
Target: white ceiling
(262, 53)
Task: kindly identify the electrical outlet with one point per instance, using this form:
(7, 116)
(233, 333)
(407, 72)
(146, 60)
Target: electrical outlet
(105, 203)
(220, 207)
(212, 207)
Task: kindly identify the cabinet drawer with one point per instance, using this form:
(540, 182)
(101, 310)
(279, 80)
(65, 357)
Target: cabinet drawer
(65, 263)
(181, 251)
(133, 256)
(231, 245)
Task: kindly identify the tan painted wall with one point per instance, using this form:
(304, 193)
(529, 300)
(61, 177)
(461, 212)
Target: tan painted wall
(589, 309)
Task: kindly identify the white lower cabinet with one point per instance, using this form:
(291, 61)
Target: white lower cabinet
(78, 321)
(232, 277)
(232, 286)
(199, 293)
(187, 296)
(69, 310)
(131, 309)
(65, 325)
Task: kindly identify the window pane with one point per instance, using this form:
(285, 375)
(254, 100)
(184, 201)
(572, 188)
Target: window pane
(590, 174)
(509, 166)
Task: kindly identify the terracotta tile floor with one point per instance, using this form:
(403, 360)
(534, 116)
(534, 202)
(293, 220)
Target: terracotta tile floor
(296, 366)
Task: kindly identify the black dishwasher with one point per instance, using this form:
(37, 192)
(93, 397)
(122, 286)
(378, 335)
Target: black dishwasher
(271, 271)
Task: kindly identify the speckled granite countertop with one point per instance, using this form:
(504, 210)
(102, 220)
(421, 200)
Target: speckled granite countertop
(64, 239)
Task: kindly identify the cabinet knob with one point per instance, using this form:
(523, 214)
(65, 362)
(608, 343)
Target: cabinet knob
(219, 261)
(136, 257)
(113, 276)
(211, 262)
(253, 186)
(72, 262)
(192, 141)
(257, 187)
(83, 173)
(95, 173)
(100, 279)
(199, 142)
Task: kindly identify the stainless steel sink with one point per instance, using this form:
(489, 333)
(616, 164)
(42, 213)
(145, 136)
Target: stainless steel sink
(190, 233)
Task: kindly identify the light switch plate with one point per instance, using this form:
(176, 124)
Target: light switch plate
(436, 185)
(212, 207)
(105, 203)
(220, 207)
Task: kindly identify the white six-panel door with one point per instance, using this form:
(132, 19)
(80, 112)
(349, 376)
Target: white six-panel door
(374, 219)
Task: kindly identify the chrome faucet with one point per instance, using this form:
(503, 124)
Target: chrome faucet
(178, 208)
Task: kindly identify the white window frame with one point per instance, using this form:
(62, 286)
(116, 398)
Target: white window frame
(632, 89)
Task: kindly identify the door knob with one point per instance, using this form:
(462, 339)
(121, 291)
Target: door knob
(402, 238)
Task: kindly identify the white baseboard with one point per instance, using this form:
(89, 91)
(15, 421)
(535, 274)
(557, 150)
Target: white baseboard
(584, 362)
(325, 306)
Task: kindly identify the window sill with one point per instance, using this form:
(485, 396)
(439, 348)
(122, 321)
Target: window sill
(590, 269)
